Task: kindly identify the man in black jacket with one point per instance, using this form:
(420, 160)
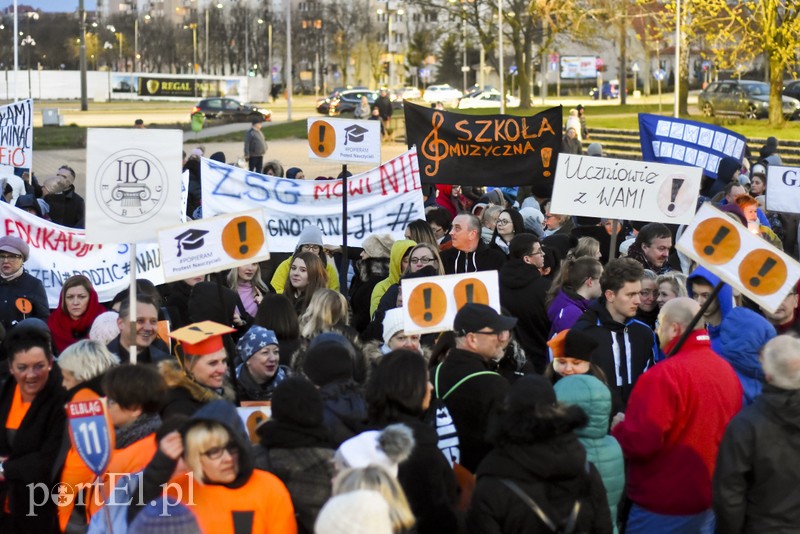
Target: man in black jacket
(523, 292)
(756, 476)
(626, 347)
(465, 381)
(469, 254)
(67, 208)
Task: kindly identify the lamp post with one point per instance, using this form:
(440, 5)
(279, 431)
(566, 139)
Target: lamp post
(137, 58)
(28, 42)
(118, 35)
(193, 27)
(288, 67)
(389, 48)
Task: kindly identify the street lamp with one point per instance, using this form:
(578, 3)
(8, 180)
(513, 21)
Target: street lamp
(137, 63)
(389, 48)
(28, 42)
(193, 27)
(118, 35)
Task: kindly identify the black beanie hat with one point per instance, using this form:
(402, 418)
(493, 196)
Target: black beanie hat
(529, 391)
(296, 401)
(579, 344)
(330, 357)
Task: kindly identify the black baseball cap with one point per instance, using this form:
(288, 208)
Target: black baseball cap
(474, 317)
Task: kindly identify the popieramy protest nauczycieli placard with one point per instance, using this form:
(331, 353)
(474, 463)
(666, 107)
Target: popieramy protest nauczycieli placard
(133, 183)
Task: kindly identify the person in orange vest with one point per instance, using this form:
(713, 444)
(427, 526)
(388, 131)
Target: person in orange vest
(221, 486)
(83, 365)
(135, 394)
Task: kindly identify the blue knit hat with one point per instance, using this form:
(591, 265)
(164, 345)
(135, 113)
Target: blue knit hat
(253, 341)
(162, 517)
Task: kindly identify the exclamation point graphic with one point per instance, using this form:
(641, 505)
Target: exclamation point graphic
(426, 298)
(721, 234)
(676, 187)
(546, 155)
(242, 227)
(470, 291)
(321, 146)
(769, 263)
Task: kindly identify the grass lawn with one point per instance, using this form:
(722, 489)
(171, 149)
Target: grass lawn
(625, 118)
(615, 117)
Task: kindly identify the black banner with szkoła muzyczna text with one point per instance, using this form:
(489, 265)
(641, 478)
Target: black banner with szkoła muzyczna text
(497, 150)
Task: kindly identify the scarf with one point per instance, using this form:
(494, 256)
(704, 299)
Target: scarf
(67, 330)
(13, 276)
(143, 426)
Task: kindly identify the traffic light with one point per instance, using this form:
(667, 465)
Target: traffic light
(386, 67)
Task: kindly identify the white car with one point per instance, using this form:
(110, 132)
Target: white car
(441, 93)
(487, 99)
(408, 93)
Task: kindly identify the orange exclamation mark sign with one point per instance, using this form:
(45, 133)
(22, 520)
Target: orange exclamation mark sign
(321, 134)
(242, 227)
(426, 298)
(547, 154)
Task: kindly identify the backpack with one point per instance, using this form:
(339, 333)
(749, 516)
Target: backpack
(568, 526)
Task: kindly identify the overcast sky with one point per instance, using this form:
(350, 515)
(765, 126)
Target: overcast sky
(60, 6)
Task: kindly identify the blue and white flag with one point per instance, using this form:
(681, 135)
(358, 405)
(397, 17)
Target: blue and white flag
(685, 142)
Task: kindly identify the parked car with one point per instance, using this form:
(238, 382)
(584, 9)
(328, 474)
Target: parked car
(231, 110)
(441, 93)
(487, 99)
(747, 98)
(340, 102)
(408, 93)
(608, 90)
(792, 89)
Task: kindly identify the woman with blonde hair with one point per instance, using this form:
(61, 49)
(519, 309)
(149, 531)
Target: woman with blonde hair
(246, 280)
(587, 247)
(222, 487)
(378, 479)
(327, 310)
(669, 286)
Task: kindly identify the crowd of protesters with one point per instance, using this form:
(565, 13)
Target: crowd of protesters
(589, 403)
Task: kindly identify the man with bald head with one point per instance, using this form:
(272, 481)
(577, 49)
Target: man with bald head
(755, 488)
(670, 433)
(469, 254)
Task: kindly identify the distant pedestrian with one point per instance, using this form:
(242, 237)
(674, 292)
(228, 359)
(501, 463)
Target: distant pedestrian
(255, 146)
(139, 124)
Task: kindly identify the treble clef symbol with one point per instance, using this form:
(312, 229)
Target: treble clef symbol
(433, 148)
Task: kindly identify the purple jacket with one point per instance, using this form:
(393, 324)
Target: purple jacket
(565, 310)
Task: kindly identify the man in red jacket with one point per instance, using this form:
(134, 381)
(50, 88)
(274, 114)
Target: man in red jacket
(670, 434)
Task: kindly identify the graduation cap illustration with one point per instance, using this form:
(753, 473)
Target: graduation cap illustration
(199, 339)
(190, 240)
(355, 133)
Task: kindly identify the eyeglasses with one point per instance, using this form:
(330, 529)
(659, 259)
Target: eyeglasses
(539, 252)
(311, 248)
(10, 257)
(503, 222)
(423, 261)
(491, 333)
(215, 453)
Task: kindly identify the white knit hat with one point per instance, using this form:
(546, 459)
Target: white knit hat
(355, 512)
(392, 323)
(104, 328)
(385, 448)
